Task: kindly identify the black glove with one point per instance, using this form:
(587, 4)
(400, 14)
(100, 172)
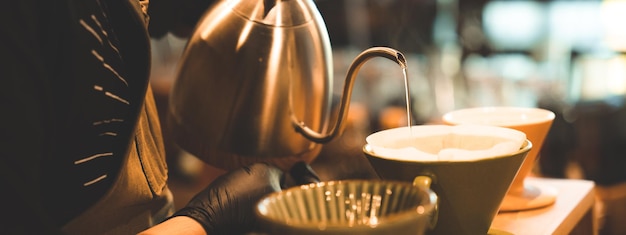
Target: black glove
(226, 206)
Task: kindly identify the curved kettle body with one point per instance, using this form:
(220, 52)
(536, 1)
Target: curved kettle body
(250, 69)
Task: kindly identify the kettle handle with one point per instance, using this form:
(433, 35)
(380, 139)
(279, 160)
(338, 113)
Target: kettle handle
(364, 56)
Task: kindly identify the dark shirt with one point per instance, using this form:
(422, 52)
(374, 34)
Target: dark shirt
(73, 75)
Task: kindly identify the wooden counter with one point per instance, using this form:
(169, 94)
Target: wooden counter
(572, 213)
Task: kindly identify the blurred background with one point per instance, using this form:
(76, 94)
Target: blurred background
(565, 56)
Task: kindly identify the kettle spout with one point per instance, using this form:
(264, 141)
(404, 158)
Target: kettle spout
(344, 106)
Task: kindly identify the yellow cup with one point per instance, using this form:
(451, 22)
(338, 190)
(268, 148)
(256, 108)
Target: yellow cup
(535, 122)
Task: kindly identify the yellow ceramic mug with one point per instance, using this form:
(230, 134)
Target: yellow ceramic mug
(535, 123)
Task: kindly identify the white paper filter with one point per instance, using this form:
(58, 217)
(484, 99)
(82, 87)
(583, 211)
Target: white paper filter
(445, 143)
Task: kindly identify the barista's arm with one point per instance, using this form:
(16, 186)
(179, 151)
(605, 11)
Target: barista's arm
(177, 225)
(226, 206)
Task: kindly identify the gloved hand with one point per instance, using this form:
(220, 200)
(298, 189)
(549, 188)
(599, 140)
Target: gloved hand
(226, 206)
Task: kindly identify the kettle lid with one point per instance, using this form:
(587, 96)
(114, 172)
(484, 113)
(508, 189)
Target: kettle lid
(281, 13)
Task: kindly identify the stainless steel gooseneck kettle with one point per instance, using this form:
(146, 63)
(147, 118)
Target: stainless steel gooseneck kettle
(254, 84)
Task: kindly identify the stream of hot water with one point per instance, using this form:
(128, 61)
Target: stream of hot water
(407, 92)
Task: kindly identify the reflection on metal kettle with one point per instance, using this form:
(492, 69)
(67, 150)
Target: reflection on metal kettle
(254, 83)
